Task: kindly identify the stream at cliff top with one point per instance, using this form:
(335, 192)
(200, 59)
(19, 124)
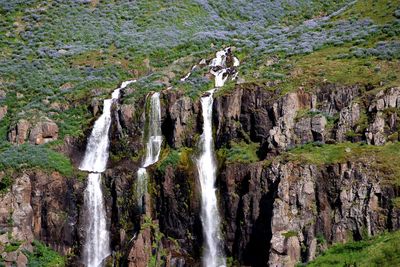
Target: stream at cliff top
(97, 242)
(153, 146)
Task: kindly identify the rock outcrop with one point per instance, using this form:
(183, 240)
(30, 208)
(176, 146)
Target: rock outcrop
(39, 206)
(39, 133)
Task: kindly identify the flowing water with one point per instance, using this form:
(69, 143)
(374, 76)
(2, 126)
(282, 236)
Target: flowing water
(153, 145)
(206, 166)
(97, 243)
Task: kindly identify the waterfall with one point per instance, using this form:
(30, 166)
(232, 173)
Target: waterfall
(206, 167)
(153, 145)
(97, 243)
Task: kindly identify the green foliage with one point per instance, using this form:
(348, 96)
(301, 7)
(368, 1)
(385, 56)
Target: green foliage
(177, 158)
(158, 252)
(43, 256)
(240, 152)
(382, 158)
(31, 156)
(13, 246)
(5, 183)
(289, 234)
(383, 250)
(321, 239)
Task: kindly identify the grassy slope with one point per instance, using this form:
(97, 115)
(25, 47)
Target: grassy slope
(381, 158)
(379, 251)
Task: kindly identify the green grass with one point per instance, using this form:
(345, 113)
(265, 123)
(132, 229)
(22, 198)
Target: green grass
(381, 158)
(30, 156)
(240, 152)
(13, 246)
(382, 251)
(43, 256)
(177, 158)
(380, 12)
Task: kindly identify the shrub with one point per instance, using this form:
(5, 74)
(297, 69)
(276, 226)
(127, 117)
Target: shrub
(44, 256)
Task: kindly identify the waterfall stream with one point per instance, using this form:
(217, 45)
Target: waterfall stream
(222, 66)
(96, 246)
(153, 145)
(206, 166)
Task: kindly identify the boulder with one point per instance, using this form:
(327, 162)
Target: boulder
(43, 132)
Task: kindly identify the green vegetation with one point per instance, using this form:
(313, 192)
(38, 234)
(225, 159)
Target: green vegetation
(43, 256)
(379, 11)
(158, 252)
(240, 152)
(383, 250)
(13, 246)
(290, 234)
(176, 158)
(382, 158)
(30, 156)
(5, 183)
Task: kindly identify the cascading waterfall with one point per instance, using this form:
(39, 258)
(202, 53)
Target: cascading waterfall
(206, 163)
(206, 167)
(153, 146)
(97, 243)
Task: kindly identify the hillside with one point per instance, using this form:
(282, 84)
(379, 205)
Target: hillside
(304, 141)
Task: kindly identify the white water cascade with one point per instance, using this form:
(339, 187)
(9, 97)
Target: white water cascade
(97, 243)
(206, 163)
(220, 69)
(153, 146)
(206, 166)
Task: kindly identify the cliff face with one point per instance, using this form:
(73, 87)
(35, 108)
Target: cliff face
(287, 213)
(282, 212)
(275, 210)
(40, 206)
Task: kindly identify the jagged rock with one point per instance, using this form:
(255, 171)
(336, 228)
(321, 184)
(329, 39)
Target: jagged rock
(40, 206)
(140, 252)
(20, 132)
(283, 207)
(318, 124)
(302, 129)
(3, 112)
(180, 120)
(386, 99)
(348, 119)
(127, 112)
(43, 132)
(375, 133)
(333, 99)
(96, 106)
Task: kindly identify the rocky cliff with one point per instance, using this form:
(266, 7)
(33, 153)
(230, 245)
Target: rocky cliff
(277, 209)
